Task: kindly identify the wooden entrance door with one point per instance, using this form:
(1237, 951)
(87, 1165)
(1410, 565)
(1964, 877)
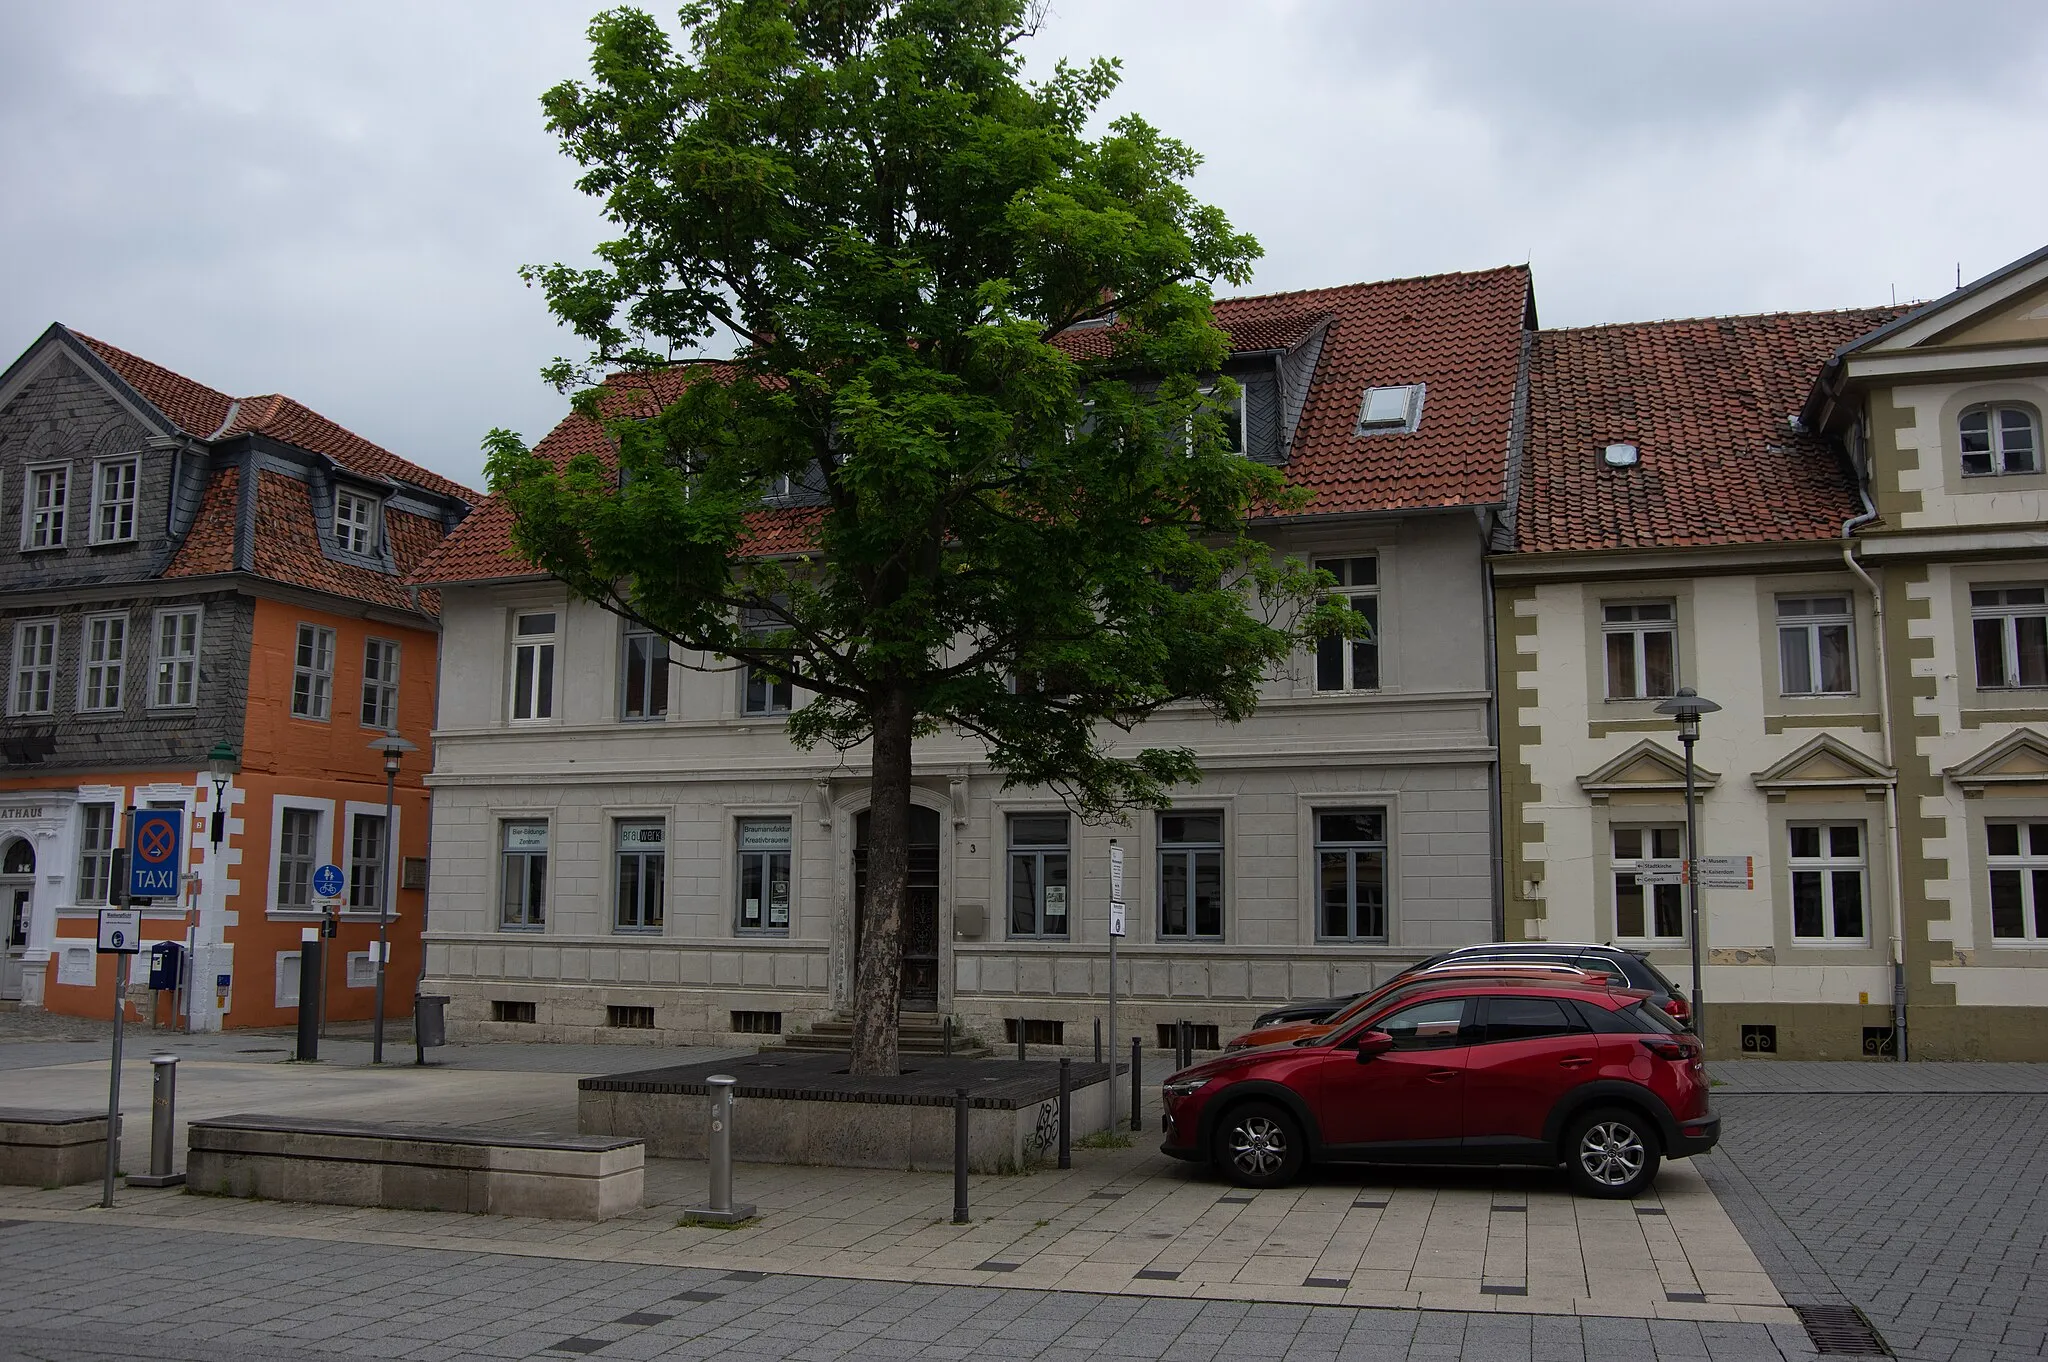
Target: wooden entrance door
(918, 987)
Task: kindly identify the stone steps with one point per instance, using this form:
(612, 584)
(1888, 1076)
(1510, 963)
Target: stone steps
(916, 1034)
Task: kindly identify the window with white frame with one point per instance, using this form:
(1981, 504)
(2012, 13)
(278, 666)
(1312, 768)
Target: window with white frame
(533, 665)
(177, 658)
(761, 692)
(1390, 410)
(1999, 439)
(643, 675)
(355, 523)
(380, 684)
(1647, 912)
(313, 673)
(35, 667)
(639, 875)
(2009, 625)
(761, 885)
(1039, 888)
(1828, 867)
(113, 500)
(523, 874)
(2017, 854)
(105, 662)
(1351, 875)
(47, 495)
(1640, 640)
(95, 852)
(366, 863)
(298, 852)
(1815, 652)
(1352, 663)
(1190, 876)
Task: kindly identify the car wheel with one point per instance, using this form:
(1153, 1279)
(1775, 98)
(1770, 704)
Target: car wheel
(1610, 1152)
(1259, 1145)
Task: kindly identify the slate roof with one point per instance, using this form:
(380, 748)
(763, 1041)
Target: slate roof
(1707, 402)
(1460, 334)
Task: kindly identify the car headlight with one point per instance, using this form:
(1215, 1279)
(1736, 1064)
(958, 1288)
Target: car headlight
(1184, 1087)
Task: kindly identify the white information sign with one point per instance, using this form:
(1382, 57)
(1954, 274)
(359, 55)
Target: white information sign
(1667, 870)
(120, 931)
(1728, 872)
(1116, 919)
(1116, 876)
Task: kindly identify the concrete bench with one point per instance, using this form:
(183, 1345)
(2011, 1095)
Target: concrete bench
(52, 1148)
(420, 1168)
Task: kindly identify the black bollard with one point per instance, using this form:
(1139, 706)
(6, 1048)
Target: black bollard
(1137, 1082)
(1098, 1040)
(948, 1052)
(1066, 1112)
(309, 995)
(1020, 1040)
(1180, 1046)
(959, 1156)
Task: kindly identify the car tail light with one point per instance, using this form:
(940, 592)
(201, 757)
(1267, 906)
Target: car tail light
(1678, 1008)
(1672, 1047)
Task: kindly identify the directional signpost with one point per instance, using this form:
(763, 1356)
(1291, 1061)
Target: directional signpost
(1728, 872)
(1664, 870)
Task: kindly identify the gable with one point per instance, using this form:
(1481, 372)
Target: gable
(2002, 298)
(1648, 766)
(1825, 762)
(2022, 320)
(2020, 758)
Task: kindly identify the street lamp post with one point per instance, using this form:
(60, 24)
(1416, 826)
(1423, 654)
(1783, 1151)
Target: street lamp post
(1686, 707)
(393, 747)
(220, 766)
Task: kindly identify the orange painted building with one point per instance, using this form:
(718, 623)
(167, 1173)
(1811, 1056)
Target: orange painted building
(181, 573)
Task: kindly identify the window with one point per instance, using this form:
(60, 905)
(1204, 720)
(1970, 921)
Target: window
(113, 501)
(366, 863)
(1528, 1019)
(525, 874)
(533, 666)
(1351, 870)
(1827, 882)
(639, 877)
(2018, 857)
(1038, 874)
(48, 495)
(355, 523)
(95, 853)
(35, 666)
(2011, 628)
(380, 684)
(1190, 876)
(177, 658)
(298, 834)
(763, 880)
(1352, 663)
(1434, 1025)
(1647, 912)
(1390, 410)
(1230, 412)
(1641, 642)
(106, 654)
(1999, 440)
(313, 673)
(643, 676)
(1814, 656)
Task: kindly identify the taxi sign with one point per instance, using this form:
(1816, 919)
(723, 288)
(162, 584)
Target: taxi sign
(155, 838)
(120, 931)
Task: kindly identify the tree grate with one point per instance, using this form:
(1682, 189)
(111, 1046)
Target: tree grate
(1840, 1331)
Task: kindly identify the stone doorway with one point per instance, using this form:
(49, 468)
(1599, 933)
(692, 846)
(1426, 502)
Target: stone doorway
(17, 899)
(918, 988)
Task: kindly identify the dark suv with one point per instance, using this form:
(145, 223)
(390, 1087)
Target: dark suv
(1588, 1076)
(1633, 968)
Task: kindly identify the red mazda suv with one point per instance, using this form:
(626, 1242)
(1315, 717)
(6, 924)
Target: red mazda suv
(1472, 1072)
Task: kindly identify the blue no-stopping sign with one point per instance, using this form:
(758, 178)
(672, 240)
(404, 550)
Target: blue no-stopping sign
(155, 840)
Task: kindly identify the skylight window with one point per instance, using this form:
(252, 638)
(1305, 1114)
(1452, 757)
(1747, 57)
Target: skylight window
(1387, 410)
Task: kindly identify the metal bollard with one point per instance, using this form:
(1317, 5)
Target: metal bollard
(309, 995)
(163, 1125)
(1020, 1040)
(1066, 1112)
(720, 1210)
(948, 1051)
(959, 1156)
(1098, 1040)
(1137, 1083)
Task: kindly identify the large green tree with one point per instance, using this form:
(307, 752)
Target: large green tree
(1039, 541)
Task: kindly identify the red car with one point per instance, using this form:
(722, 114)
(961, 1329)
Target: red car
(1471, 1072)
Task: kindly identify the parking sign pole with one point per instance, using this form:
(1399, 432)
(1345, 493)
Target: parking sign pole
(1116, 895)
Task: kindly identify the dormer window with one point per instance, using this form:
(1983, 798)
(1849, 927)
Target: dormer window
(113, 500)
(1999, 440)
(355, 523)
(1390, 410)
(1230, 411)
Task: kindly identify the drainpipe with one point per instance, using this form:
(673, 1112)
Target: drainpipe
(1891, 789)
(1495, 778)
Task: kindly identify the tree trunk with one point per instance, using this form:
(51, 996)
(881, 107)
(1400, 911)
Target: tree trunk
(879, 971)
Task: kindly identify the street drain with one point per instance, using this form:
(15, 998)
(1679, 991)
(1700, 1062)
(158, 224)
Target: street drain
(1840, 1331)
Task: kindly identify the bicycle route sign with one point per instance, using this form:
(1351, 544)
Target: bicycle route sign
(327, 882)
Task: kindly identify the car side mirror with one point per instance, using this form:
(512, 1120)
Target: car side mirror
(1373, 1043)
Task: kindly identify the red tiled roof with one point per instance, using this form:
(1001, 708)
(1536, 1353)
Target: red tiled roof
(1706, 402)
(287, 546)
(1460, 334)
(210, 546)
(200, 411)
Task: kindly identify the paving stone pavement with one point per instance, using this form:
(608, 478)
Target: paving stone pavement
(92, 1293)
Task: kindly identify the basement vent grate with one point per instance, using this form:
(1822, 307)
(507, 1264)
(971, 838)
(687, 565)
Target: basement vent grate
(1840, 1331)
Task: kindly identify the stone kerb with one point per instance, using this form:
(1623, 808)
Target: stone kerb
(805, 1109)
(352, 1163)
(52, 1148)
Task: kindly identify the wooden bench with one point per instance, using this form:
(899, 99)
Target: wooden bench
(52, 1148)
(420, 1168)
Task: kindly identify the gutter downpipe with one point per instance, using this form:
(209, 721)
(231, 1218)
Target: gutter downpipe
(1895, 890)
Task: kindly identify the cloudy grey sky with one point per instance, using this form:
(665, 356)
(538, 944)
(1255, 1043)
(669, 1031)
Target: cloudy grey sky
(331, 200)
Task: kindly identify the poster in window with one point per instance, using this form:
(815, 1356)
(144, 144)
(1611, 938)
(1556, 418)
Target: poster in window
(778, 902)
(1055, 907)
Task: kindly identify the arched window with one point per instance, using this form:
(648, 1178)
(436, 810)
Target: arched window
(2000, 439)
(19, 860)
